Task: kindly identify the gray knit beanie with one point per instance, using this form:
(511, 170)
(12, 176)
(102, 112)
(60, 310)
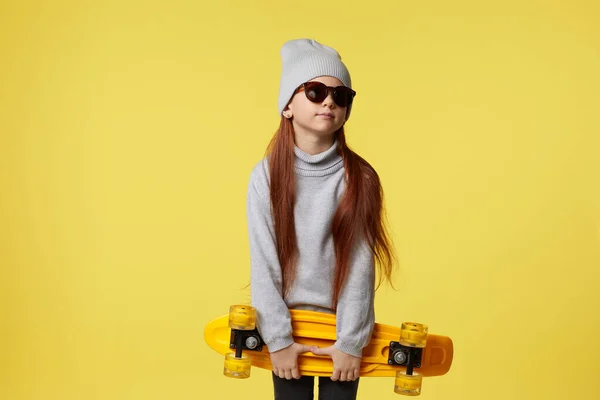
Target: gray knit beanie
(306, 59)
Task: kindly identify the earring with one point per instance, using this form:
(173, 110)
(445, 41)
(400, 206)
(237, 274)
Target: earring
(287, 114)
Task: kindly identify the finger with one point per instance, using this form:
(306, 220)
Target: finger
(336, 375)
(351, 377)
(288, 374)
(343, 376)
(356, 374)
(281, 373)
(305, 348)
(296, 373)
(321, 352)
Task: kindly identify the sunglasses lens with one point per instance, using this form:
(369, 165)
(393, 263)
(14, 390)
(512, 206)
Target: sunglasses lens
(315, 91)
(342, 96)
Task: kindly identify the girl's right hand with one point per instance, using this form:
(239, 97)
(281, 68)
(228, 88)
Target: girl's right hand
(285, 361)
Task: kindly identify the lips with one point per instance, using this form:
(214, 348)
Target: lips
(330, 115)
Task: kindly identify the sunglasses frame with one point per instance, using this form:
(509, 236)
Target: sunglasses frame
(330, 89)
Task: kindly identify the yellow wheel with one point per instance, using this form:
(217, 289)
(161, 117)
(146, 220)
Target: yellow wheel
(242, 317)
(408, 385)
(237, 367)
(413, 334)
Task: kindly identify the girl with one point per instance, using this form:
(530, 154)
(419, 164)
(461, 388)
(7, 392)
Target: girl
(315, 222)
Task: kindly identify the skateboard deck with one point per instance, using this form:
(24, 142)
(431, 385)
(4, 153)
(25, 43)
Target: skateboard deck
(319, 329)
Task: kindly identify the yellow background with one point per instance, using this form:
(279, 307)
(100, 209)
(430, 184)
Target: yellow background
(128, 131)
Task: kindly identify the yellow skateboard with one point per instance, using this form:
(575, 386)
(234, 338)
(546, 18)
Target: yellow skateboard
(407, 353)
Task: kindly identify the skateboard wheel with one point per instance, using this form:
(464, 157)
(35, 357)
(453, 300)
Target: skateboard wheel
(242, 317)
(237, 367)
(408, 385)
(413, 334)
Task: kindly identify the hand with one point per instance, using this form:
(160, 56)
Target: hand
(285, 361)
(345, 366)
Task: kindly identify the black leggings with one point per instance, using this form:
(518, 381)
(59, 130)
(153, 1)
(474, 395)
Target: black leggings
(303, 388)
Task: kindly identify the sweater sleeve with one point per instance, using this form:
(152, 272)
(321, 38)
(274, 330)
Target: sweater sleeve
(273, 316)
(355, 312)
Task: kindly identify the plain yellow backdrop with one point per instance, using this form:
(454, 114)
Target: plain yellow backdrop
(128, 130)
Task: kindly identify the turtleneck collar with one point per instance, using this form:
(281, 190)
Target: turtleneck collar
(321, 164)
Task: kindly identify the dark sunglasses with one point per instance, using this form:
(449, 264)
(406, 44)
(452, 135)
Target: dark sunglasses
(317, 92)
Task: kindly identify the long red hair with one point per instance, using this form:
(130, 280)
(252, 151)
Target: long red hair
(359, 215)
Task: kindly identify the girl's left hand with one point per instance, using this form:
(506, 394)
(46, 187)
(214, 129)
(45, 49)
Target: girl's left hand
(345, 366)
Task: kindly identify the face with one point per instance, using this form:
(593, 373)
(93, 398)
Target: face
(316, 119)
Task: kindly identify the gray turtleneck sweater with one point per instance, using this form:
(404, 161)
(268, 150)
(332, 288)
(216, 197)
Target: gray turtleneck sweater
(320, 184)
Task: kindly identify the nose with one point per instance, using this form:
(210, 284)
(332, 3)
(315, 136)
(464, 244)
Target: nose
(328, 102)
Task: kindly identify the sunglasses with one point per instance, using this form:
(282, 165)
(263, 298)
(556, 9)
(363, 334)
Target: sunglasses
(317, 92)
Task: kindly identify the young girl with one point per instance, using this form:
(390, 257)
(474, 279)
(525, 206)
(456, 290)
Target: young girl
(315, 222)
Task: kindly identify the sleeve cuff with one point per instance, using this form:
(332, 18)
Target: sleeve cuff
(348, 348)
(279, 344)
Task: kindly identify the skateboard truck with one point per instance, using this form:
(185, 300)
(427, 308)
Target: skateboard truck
(405, 356)
(245, 340)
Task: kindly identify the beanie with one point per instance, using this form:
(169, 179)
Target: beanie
(306, 59)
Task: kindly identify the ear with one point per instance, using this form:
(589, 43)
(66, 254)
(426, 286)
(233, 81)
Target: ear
(287, 112)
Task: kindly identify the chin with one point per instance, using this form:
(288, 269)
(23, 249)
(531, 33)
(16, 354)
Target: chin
(321, 128)
(327, 126)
